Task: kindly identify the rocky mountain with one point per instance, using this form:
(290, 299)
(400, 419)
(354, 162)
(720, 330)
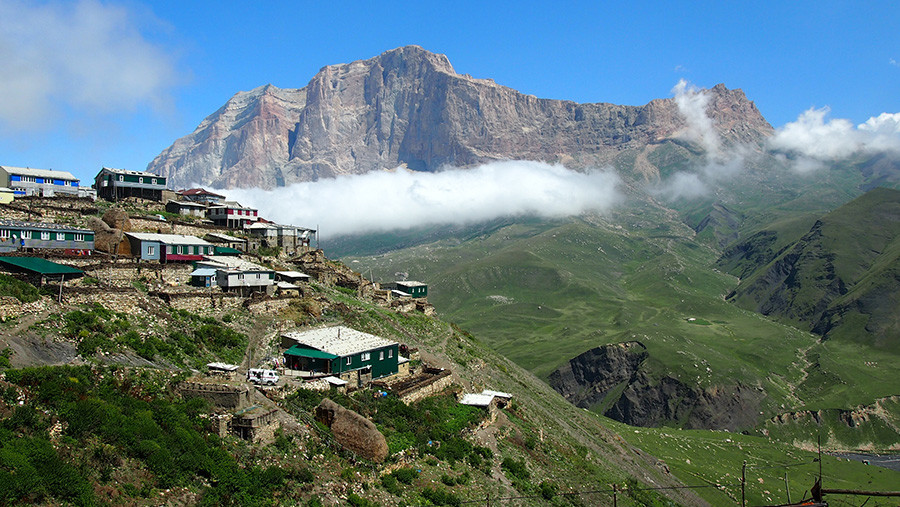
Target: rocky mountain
(408, 107)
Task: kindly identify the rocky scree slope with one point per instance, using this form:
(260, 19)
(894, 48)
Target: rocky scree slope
(408, 107)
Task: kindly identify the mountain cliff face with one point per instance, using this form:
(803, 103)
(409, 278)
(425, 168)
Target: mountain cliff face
(408, 107)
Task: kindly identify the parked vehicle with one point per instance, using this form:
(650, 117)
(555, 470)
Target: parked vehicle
(262, 377)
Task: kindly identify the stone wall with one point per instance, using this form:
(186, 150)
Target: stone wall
(220, 395)
(11, 307)
(196, 302)
(269, 306)
(127, 301)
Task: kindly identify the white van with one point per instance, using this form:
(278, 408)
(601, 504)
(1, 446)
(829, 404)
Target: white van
(263, 377)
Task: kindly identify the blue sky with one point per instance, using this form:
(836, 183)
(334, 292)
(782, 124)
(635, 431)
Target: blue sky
(89, 83)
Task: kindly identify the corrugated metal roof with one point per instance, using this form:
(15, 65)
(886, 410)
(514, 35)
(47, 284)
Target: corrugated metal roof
(477, 400)
(339, 340)
(6, 224)
(41, 266)
(203, 272)
(126, 171)
(227, 250)
(299, 351)
(169, 239)
(40, 173)
(229, 262)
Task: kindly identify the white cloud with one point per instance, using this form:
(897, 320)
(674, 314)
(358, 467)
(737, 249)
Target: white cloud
(401, 199)
(894, 62)
(692, 104)
(85, 56)
(814, 137)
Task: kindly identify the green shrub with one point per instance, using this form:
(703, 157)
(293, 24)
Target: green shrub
(24, 292)
(405, 475)
(391, 485)
(4, 358)
(440, 497)
(515, 468)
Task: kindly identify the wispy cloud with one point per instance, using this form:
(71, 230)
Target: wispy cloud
(403, 199)
(894, 62)
(813, 139)
(86, 56)
(715, 164)
(699, 128)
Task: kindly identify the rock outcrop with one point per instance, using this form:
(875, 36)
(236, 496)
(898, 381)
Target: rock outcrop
(612, 378)
(353, 431)
(408, 107)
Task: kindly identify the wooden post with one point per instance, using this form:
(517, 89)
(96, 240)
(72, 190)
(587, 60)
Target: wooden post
(615, 495)
(743, 484)
(787, 488)
(62, 278)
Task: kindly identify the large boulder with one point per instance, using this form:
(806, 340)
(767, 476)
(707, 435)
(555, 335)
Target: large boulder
(117, 218)
(353, 431)
(106, 238)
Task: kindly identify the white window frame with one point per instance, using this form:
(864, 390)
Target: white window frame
(390, 353)
(366, 356)
(121, 178)
(349, 360)
(4, 233)
(381, 356)
(45, 235)
(153, 180)
(151, 250)
(141, 180)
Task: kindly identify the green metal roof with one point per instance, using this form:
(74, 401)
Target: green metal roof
(225, 250)
(299, 351)
(40, 266)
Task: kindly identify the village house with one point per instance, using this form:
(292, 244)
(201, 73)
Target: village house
(287, 237)
(236, 274)
(41, 182)
(116, 184)
(407, 288)
(6, 195)
(25, 236)
(168, 247)
(187, 208)
(201, 196)
(232, 215)
(226, 241)
(339, 351)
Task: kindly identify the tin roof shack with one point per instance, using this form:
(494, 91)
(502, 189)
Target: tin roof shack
(203, 277)
(16, 235)
(226, 241)
(201, 195)
(38, 270)
(342, 352)
(168, 247)
(186, 208)
(287, 237)
(490, 400)
(42, 182)
(232, 214)
(234, 273)
(116, 184)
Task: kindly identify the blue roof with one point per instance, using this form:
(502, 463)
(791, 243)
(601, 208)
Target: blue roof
(204, 272)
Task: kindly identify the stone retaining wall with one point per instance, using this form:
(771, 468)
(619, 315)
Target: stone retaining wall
(220, 395)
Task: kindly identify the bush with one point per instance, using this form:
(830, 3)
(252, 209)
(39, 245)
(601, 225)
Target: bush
(515, 468)
(440, 497)
(405, 475)
(24, 292)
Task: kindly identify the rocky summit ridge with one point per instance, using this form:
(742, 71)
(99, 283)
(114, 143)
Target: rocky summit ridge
(409, 108)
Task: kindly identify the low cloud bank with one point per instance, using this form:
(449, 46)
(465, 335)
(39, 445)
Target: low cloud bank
(401, 199)
(812, 139)
(85, 55)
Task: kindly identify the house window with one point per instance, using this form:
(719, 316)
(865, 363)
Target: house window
(381, 356)
(121, 178)
(366, 356)
(4, 233)
(169, 249)
(79, 237)
(141, 179)
(153, 180)
(349, 360)
(151, 250)
(258, 276)
(390, 353)
(45, 236)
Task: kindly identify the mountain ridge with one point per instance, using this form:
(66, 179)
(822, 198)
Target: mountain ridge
(409, 108)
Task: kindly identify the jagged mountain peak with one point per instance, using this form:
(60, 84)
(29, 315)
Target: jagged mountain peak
(408, 107)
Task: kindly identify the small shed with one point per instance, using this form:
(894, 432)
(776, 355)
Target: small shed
(203, 277)
(292, 277)
(42, 268)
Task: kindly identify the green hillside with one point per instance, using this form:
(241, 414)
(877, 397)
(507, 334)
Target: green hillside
(839, 280)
